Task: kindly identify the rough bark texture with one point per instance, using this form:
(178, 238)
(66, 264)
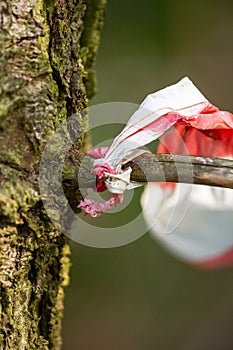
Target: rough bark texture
(47, 53)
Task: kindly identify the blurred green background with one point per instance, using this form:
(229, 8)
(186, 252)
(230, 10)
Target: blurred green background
(137, 296)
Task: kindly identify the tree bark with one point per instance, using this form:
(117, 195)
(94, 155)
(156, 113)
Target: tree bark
(47, 53)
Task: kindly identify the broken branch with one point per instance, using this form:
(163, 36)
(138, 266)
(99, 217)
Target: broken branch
(149, 167)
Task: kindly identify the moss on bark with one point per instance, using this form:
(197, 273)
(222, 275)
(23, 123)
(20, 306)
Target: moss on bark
(43, 74)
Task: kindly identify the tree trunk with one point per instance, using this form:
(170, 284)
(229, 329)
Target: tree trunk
(47, 52)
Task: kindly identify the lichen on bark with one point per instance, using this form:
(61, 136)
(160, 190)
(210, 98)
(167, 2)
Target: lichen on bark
(42, 71)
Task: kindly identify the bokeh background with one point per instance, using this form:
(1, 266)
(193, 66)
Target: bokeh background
(138, 297)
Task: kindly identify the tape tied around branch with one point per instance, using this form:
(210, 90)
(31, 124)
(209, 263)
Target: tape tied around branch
(179, 104)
